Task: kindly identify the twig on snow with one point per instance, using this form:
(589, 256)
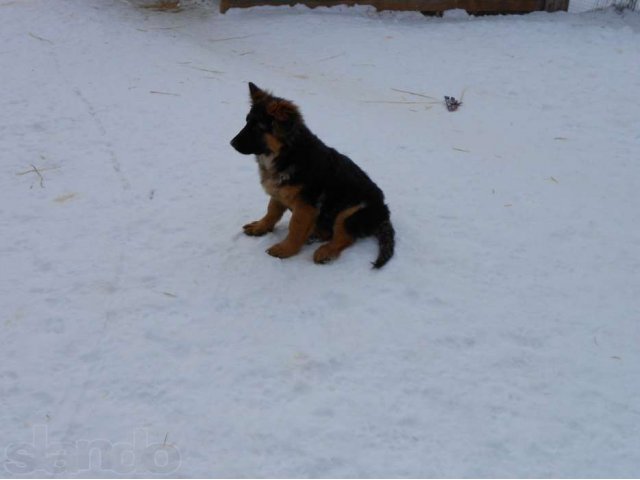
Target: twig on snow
(42, 39)
(203, 69)
(397, 102)
(331, 57)
(37, 171)
(231, 38)
(164, 93)
(413, 93)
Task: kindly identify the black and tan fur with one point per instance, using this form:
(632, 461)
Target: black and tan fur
(329, 196)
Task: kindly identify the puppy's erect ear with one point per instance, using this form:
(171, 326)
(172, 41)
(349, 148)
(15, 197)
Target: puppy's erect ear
(282, 110)
(255, 92)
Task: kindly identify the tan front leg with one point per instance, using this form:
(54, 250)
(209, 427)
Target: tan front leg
(301, 225)
(275, 210)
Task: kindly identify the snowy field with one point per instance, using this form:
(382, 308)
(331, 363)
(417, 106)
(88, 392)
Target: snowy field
(139, 323)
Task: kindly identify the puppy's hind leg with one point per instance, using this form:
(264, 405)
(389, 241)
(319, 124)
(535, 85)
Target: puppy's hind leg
(341, 238)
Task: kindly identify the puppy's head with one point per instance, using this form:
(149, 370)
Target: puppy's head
(271, 123)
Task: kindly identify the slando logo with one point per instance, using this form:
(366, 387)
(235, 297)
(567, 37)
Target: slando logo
(95, 455)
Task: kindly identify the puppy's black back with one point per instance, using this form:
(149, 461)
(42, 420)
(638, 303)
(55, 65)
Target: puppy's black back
(333, 182)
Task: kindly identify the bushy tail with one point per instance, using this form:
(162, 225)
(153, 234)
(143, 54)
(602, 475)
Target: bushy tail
(386, 240)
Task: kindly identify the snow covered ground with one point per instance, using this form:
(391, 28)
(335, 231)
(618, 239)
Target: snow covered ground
(138, 322)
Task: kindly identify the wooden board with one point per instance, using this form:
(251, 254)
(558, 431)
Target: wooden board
(556, 5)
(471, 6)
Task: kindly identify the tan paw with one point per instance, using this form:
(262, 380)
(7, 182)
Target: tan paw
(256, 229)
(325, 254)
(281, 250)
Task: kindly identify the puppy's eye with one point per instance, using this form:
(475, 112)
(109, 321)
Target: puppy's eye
(263, 126)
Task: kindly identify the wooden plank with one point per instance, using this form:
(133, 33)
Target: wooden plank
(496, 6)
(556, 5)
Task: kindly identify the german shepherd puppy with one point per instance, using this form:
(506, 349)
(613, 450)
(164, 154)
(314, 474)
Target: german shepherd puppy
(330, 197)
